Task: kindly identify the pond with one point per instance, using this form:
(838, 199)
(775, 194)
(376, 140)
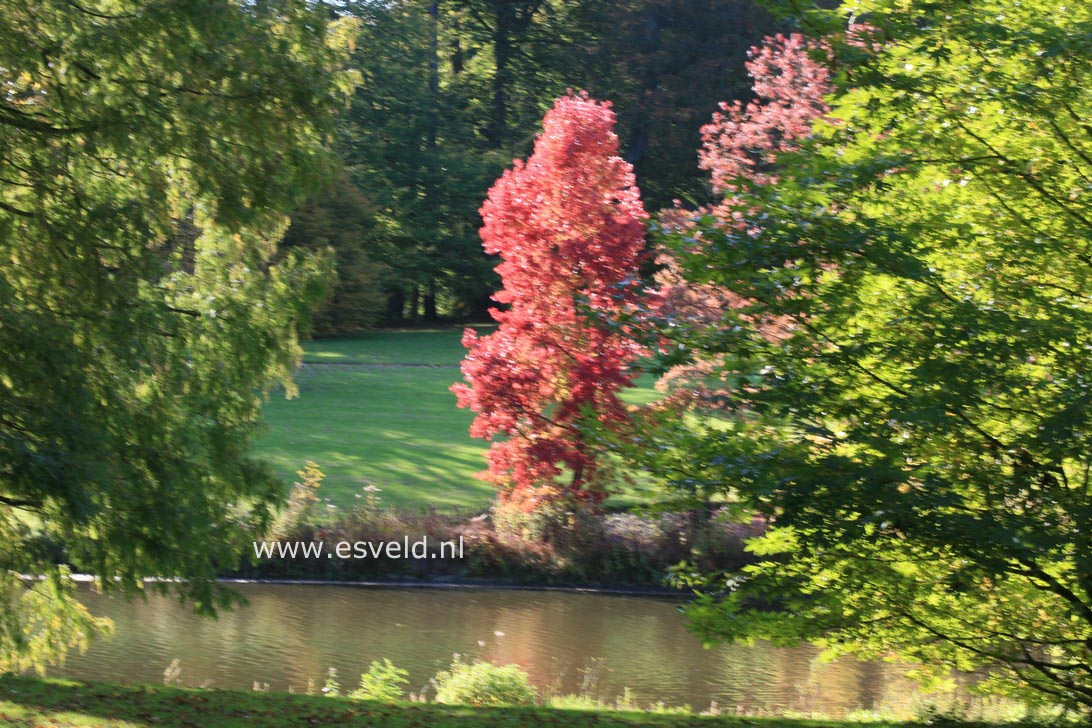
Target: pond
(569, 642)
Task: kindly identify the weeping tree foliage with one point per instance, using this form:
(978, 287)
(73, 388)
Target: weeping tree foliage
(920, 436)
(147, 151)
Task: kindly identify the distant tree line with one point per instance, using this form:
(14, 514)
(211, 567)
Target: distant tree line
(453, 90)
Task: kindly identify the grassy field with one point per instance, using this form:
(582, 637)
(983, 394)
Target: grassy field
(436, 347)
(375, 410)
(29, 702)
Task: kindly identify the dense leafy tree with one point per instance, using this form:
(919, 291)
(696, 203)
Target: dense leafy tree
(666, 64)
(569, 227)
(342, 220)
(454, 89)
(920, 439)
(743, 141)
(741, 144)
(504, 23)
(147, 151)
(410, 141)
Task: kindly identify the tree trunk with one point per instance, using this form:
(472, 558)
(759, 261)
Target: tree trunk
(430, 302)
(478, 307)
(396, 305)
(430, 144)
(414, 303)
(456, 57)
(433, 71)
(502, 56)
(650, 44)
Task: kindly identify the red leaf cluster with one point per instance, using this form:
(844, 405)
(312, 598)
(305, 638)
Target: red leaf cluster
(790, 85)
(569, 227)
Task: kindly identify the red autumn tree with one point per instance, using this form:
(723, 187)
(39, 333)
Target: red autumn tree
(569, 226)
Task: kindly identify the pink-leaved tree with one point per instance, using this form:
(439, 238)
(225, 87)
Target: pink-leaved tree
(569, 227)
(740, 146)
(790, 84)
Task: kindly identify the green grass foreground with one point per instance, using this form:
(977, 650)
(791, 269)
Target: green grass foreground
(38, 702)
(375, 409)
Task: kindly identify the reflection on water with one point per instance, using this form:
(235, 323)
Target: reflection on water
(289, 634)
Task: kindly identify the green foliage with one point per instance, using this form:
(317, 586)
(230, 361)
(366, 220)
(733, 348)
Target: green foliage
(920, 436)
(40, 621)
(383, 681)
(342, 221)
(149, 153)
(409, 141)
(482, 683)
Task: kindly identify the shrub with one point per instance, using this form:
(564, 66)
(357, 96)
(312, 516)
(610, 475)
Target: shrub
(552, 545)
(483, 683)
(332, 688)
(545, 524)
(719, 544)
(383, 681)
(299, 509)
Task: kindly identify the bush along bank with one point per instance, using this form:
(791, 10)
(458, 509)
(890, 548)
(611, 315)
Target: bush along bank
(556, 546)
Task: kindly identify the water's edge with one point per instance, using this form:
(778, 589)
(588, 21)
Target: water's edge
(484, 585)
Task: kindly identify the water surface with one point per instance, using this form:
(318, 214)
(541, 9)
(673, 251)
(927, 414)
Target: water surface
(569, 642)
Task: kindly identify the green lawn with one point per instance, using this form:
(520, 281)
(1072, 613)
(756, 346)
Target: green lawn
(375, 410)
(28, 702)
(439, 346)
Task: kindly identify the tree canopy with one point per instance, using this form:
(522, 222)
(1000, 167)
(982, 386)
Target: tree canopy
(569, 227)
(918, 438)
(343, 220)
(148, 153)
(452, 91)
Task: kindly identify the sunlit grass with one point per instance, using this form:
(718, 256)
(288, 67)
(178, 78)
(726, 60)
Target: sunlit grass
(436, 347)
(33, 702)
(385, 417)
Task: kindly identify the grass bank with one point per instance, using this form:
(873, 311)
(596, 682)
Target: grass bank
(34, 702)
(375, 409)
